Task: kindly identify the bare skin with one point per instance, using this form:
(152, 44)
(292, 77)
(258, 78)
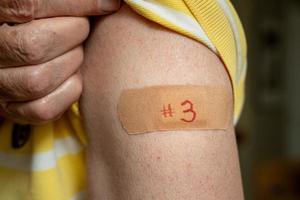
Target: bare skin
(126, 51)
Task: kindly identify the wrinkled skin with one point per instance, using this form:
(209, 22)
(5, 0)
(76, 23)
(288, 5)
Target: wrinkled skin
(40, 55)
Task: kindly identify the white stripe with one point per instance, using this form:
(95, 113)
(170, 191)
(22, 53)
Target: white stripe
(178, 19)
(235, 120)
(227, 10)
(41, 161)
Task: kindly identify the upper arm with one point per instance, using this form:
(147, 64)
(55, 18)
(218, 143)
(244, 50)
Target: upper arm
(126, 51)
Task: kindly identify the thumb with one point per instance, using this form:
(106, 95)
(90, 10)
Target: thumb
(27, 10)
(55, 8)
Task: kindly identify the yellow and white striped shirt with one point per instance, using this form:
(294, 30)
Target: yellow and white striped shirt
(47, 162)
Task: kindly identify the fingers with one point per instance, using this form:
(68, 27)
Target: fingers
(48, 108)
(37, 63)
(33, 82)
(40, 40)
(26, 10)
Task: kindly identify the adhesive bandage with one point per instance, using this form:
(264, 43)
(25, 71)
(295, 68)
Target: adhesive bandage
(166, 108)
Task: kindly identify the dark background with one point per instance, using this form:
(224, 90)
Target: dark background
(269, 130)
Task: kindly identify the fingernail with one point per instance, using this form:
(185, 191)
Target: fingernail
(109, 5)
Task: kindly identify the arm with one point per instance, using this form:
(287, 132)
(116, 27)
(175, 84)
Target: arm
(126, 51)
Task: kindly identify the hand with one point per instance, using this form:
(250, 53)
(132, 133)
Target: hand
(20, 11)
(40, 58)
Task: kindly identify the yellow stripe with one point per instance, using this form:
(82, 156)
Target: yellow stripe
(242, 41)
(63, 128)
(62, 182)
(43, 138)
(240, 84)
(76, 121)
(14, 185)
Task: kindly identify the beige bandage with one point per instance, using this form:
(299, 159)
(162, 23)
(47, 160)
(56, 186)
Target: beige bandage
(166, 108)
